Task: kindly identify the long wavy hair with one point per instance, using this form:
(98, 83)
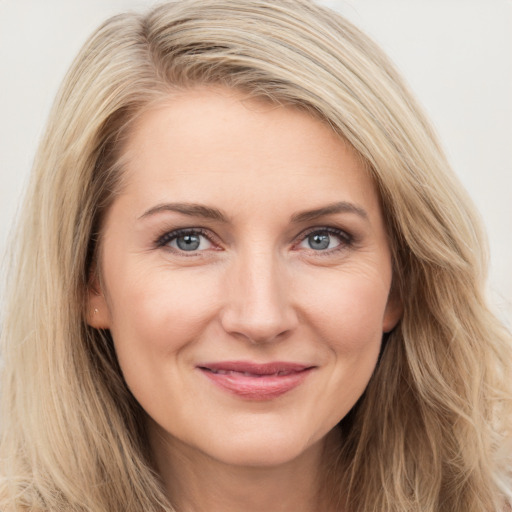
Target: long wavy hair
(432, 430)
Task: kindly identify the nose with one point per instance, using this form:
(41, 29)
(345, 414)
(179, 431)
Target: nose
(257, 302)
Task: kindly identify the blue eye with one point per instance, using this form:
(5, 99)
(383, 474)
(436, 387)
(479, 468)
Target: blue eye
(186, 241)
(325, 239)
(319, 241)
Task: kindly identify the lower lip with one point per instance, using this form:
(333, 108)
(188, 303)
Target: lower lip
(265, 387)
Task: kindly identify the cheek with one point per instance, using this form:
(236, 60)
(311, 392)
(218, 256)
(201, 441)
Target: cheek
(159, 312)
(349, 308)
(353, 334)
(156, 318)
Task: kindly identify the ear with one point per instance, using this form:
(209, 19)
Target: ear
(393, 312)
(98, 312)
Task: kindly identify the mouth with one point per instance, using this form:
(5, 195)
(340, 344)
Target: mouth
(253, 381)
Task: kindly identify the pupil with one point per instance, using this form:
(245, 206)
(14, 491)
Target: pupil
(188, 242)
(319, 241)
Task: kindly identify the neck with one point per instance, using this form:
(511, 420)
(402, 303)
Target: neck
(198, 483)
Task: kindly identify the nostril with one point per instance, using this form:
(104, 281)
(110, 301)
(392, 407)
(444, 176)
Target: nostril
(257, 305)
(259, 329)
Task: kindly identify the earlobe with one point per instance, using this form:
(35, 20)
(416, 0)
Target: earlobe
(98, 313)
(393, 312)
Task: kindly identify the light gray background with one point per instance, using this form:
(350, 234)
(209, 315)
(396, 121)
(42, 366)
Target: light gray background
(455, 54)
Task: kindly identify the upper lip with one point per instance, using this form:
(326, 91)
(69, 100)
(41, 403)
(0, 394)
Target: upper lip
(251, 368)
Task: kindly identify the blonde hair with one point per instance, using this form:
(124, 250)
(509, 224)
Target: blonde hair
(431, 429)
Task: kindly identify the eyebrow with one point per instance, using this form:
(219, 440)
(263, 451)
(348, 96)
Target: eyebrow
(330, 209)
(191, 209)
(207, 212)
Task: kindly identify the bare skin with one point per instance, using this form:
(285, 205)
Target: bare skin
(252, 489)
(246, 283)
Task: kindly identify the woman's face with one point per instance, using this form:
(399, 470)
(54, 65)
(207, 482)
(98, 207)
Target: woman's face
(246, 277)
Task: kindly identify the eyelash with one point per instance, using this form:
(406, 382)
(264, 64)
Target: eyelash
(169, 236)
(346, 240)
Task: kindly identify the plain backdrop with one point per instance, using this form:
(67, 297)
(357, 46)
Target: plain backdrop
(455, 54)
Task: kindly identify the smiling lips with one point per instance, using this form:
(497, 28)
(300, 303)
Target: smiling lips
(256, 381)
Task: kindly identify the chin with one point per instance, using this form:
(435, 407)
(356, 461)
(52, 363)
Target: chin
(263, 451)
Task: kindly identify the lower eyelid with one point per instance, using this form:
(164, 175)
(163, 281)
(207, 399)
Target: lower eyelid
(174, 242)
(171, 236)
(343, 236)
(345, 239)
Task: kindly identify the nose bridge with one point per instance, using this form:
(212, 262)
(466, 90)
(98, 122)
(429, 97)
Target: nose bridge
(258, 305)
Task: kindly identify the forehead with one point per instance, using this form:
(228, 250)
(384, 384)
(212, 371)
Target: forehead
(214, 143)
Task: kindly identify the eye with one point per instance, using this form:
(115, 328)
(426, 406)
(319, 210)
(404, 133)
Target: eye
(325, 239)
(186, 240)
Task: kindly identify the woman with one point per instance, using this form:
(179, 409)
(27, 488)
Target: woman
(248, 280)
